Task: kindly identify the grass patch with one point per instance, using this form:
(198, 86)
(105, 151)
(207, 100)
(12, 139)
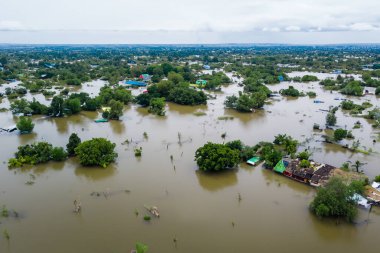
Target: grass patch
(225, 118)
(199, 114)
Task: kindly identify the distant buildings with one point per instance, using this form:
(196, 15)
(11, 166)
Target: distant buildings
(145, 77)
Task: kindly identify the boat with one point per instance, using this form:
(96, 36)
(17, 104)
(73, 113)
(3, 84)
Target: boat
(254, 160)
(101, 120)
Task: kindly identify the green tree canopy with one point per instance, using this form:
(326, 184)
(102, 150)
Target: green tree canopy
(25, 124)
(96, 152)
(216, 157)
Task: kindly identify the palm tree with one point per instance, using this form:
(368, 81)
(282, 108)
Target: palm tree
(357, 165)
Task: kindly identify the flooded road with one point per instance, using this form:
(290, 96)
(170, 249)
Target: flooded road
(201, 211)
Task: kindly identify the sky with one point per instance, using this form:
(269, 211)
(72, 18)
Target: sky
(189, 21)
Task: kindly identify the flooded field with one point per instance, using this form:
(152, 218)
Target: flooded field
(200, 212)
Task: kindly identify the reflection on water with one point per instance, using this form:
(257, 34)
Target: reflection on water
(215, 181)
(95, 173)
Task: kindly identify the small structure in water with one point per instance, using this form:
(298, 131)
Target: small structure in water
(254, 160)
(101, 120)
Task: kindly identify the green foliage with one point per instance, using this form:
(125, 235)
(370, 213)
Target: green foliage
(216, 157)
(304, 164)
(309, 78)
(141, 248)
(157, 106)
(147, 218)
(58, 154)
(345, 166)
(74, 141)
(358, 186)
(271, 155)
(340, 134)
(72, 106)
(353, 88)
(291, 92)
(175, 77)
(39, 152)
(335, 200)
(116, 109)
(96, 152)
(330, 119)
(25, 124)
(57, 106)
(377, 179)
(236, 144)
(187, 96)
(138, 151)
(304, 155)
(377, 91)
(311, 94)
(143, 99)
(287, 142)
(246, 102)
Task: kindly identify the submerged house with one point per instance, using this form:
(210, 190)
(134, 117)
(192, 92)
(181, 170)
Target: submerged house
(321, 175)
(145, 77)
(281, 166)
(132, 83)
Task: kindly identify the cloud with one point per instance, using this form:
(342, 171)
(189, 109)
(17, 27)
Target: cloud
(11, 25)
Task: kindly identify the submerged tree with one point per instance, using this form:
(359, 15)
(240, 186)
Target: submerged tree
(25, 125)
(74, 141)
(216, 157)
(97, 151)
(335, 200)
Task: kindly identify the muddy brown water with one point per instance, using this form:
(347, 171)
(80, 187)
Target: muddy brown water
(200, 210)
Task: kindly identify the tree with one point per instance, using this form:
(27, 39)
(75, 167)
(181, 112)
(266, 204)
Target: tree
(35, 153)
(116, 109)
(304, 155)
(231, 101)
(175, 77)
(57, 106)
(25, 124)
(157, 106)
(357, 165)
(244, 103)
(353, 88)
(72, 106)
(330, 119)
(96, 152)
(340, 134)
(216, 157)
(291, 92)
(74, 141)
(187, 96)
(58, 154)
(335, 200)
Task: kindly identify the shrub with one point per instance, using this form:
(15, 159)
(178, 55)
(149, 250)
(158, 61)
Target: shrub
(335, 200)
(216, 157)
(58, 154)
(97, 151)
(74, 141)
(340, 134)
(25, 125)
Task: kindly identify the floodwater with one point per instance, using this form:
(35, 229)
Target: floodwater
(200, 211)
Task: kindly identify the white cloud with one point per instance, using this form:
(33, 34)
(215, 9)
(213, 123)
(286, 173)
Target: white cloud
(218, 16)
(10, 25)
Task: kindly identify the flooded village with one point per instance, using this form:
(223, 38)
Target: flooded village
(189, 148)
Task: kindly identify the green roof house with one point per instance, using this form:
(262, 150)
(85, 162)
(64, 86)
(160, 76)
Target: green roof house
(280, 167)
